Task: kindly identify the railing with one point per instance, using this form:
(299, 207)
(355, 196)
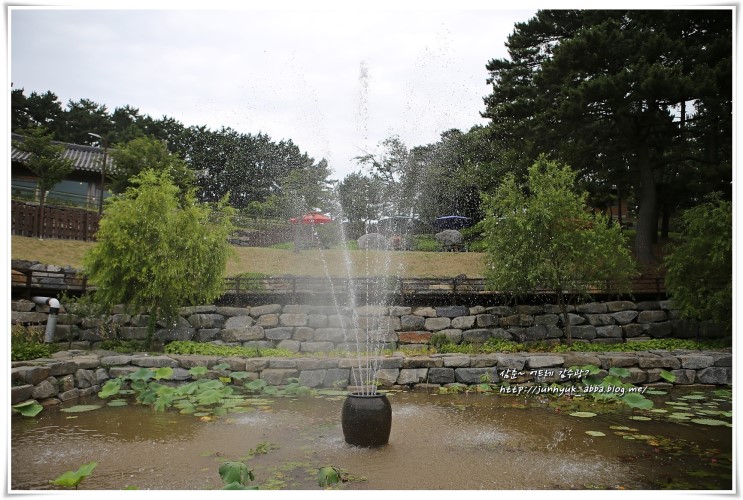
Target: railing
(29, 282)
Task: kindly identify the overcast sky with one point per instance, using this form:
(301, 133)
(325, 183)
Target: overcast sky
(336, 81)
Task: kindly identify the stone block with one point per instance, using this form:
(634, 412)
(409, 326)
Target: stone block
(412, 322)
(20, 393)
(501, 310)
(486, 320)
(32, 375)
(456, 361)
(536, 333)
(584, 332)
(278, 376)
(242, 334)
(317, 320)
(422, 362)
(477, 335)
(453, 334)
(600, 319)
(620, 305)
(257, 311)
(684, 377)
(46, 389)
(375, 311)
(624, 317)
(206, 320)
(648, 305)
(399, 311)
(463, 322)
(408, 376)
(452, 311)
(207, 334)
(290, 345)
(426, 312)
(290, 319)
(472, 376)
(268, 320)
(633, 330)
(659, 330)
(133, 332)
(336, 377)
(387, 376)
(417, 337)
(441, 375)
(316, 346)
(717, 375)
(609, 331)
(696, 361)
(651, 316)
(435, 324)
(312, 378)
(233, 311)
(543, 361)
(281, 333)
(513, 361)
(154, 361)
(592, 308)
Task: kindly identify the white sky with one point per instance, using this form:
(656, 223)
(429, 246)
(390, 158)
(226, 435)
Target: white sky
(333, 79)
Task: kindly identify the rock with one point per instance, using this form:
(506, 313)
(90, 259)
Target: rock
(242, 334)
(372, 241)
(449, 237)
(154, 361)
(278, 376)
(620, 305)
(652, 316)
(20, 393)
(257, 311)
(434, 324)
(452, 311)
(463, 322)
(543, 361)
(441, 375)
(45, 389)
(476, 375)
(715, 375)
(592, 308)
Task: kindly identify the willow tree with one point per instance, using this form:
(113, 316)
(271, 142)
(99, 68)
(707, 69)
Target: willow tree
(158, 249)
(541, 237)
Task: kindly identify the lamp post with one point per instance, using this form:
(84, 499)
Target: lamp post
(103, 169)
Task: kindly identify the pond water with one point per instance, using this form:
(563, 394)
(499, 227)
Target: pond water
(443, 441)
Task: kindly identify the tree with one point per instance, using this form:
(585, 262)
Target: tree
(46, 161)
(640, 91)
(141, 153)
(158, 249)
(541, 237)
(700, 267)
(360, 198)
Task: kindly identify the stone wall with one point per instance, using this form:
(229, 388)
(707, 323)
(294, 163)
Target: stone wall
(306, 328)
(70, 375)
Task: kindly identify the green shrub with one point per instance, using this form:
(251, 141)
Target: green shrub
(191, 347)
(28, 343)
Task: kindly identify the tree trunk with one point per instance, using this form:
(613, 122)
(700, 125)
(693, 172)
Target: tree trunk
(665, 222)
(648, 199)
(40, 224)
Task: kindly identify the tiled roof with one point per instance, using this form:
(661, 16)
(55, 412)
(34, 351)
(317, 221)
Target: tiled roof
(87, 158)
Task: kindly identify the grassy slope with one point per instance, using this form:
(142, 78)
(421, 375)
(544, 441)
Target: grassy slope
(283, 262)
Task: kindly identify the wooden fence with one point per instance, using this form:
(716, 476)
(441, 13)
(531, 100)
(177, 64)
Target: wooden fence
(57, 222)
(27, 283)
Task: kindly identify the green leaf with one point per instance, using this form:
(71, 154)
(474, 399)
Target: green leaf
(235, 472)
(110, 388)
(197, 371)
(255, 385)
(80, 408)
(327, 476)
(239, 375)
(583, 414)
(641, 418)
(595, 433)
(708, 421)
(163, 372)
(619, 371)
(71, 479)
(143, 374)
(639, 401)
(668, 376)
(28, 408)
(220, 367)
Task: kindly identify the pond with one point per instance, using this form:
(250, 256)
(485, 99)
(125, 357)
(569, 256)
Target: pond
(464, 441)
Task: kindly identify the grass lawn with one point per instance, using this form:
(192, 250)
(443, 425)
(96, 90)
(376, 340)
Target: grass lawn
(278, 262)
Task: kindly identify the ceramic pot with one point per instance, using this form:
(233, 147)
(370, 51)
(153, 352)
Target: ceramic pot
(366, 419)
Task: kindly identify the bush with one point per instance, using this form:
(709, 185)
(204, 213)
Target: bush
(28, 343)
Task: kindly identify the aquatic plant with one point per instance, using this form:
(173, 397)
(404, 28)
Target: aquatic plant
(71, 479)
(29, 408)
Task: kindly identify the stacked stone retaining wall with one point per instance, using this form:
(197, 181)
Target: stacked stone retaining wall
(309, 328)
(73, 374)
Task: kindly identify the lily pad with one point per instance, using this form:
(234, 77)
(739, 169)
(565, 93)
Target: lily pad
(595, 433)
(694, 397)
(117, 402)
(681, 416)
(80, 408)
(622, 428)
(28, 408)
(640, 417)
(708, 421)
(583, 414)
(659, 410)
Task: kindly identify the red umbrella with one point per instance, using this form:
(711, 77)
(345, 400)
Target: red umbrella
(311, 218)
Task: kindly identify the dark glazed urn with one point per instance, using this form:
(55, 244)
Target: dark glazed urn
(366, 419)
